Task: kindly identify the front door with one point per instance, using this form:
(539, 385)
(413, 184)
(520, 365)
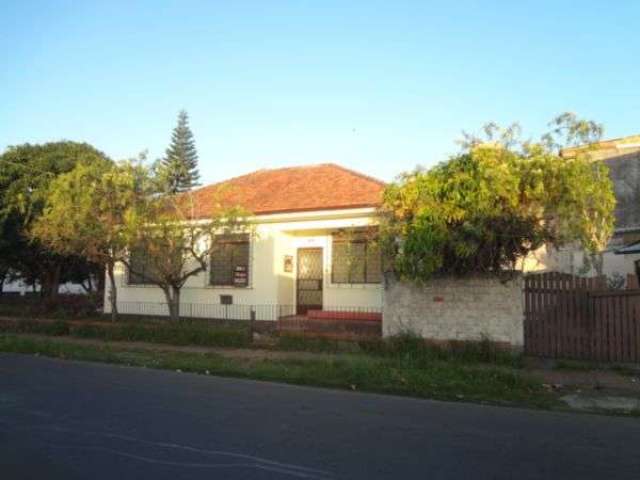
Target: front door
(309, 280)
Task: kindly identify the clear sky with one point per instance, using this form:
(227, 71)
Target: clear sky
(375, 86)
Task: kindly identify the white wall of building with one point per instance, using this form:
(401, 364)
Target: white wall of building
(276, 236)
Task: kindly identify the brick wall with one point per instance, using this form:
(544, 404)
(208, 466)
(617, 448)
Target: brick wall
(456, 309)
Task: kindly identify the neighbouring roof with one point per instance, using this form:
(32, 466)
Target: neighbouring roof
(314, 187)
(629, 249)
(622, 156)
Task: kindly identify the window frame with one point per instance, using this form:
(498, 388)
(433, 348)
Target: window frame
(246, 238)
(350, 281)
(143, 282)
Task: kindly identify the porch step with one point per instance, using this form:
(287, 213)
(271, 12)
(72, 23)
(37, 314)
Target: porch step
(344, 315)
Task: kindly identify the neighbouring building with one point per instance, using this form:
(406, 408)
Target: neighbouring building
(622, 156)
(308, 220)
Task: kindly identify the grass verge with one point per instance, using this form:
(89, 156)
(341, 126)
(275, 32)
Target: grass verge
(186, 332)
(408, 348)
(438, 379)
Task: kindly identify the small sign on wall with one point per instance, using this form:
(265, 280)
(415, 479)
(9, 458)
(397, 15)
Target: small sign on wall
(240, 275)
(288, 263)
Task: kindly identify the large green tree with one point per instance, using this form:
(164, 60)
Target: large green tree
(495, 202)
(85, 211)
(178, 169)
(25, 174)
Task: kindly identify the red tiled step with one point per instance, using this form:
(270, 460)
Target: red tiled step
(337, 315)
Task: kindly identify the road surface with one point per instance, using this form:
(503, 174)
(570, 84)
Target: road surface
(66, 420)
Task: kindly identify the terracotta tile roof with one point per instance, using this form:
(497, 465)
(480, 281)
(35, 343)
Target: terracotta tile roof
(314, 187)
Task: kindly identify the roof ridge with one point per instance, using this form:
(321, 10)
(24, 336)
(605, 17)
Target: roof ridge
(356, 173)
(295, 167)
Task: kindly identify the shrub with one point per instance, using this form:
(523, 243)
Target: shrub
(172, 333)
(499, 199)
(62, 307)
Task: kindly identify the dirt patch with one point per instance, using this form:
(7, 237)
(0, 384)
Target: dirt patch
(591, 379)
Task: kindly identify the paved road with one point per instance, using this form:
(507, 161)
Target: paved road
(68, 420)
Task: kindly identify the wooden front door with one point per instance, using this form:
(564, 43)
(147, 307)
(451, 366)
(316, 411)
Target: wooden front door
(309, 280)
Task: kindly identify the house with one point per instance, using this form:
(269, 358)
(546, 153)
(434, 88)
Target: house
(622, 156)
(308, 219)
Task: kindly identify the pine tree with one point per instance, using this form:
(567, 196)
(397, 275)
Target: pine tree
(178, 170)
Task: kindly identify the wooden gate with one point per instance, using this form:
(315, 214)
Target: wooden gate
(574, 317)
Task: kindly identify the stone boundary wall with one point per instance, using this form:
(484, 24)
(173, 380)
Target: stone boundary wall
(456, 308)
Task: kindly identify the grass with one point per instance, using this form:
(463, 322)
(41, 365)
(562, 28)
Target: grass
(403, 375)
(406, 348)
(409, 348)
(186, 332)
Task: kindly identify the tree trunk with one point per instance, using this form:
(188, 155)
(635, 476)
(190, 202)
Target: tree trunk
(113, 292)
(55, 284)
(597, 261)
(172, 295)
(50, 283)
(88, 287)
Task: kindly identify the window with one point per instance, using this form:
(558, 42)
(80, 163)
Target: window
(355, 261)
(140, 271)
(230, 261)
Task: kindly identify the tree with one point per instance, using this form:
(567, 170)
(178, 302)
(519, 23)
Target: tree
(178, 170)
(495, 202)
(25, 174)
(85, 211)
(174, 244)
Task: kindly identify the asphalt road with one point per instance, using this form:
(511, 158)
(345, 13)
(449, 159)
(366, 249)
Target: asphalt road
(67, 420)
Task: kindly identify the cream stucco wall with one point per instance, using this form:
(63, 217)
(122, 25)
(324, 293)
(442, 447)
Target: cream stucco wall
(270, 285)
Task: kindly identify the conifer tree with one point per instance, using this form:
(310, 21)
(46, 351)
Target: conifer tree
(178, 170)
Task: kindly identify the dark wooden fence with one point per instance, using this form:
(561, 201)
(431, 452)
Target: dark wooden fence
(573, 317)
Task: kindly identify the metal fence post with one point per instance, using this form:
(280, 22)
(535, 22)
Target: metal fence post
(252, 320)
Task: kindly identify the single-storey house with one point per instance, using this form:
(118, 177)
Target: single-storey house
(307, 220)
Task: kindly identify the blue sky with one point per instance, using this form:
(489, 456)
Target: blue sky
(375, 86)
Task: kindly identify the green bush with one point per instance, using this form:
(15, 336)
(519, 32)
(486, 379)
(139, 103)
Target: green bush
(182, 333)
(59, 327)
(63, 307)
(197, 333)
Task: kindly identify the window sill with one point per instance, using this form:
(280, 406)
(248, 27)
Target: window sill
(227, 287)
(355, 286)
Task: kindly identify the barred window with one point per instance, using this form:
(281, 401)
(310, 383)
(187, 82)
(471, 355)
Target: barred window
(230, 261)
(355, 261)
(141, 270)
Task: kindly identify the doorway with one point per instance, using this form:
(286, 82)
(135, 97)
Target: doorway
(309, 280)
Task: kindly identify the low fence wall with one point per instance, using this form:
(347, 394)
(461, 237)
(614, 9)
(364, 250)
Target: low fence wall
(456, 309)
(217, 311)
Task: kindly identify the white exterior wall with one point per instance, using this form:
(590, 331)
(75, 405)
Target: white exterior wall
(276, 236)
(571, 260)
